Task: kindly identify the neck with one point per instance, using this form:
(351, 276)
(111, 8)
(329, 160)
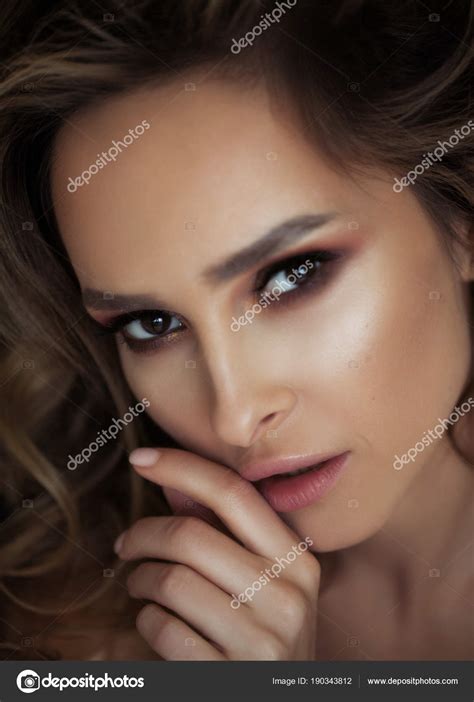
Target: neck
(429, 528)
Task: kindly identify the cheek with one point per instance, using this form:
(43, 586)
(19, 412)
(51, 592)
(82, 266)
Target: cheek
(171, 384)
(389, 356)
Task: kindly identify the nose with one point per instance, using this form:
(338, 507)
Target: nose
(248, 395)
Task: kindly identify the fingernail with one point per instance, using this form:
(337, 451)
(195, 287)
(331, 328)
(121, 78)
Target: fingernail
(118, 542)
(144, 457)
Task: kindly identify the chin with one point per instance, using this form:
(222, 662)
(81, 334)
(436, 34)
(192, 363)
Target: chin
(334, 534)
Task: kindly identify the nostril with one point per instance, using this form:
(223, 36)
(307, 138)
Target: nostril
(269, 425)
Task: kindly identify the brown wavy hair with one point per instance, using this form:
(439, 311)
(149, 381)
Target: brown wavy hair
(371, 83)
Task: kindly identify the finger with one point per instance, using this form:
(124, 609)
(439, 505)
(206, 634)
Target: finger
(235, 500)
(172, 639)
(192, 542)
(198, 602)
(182, 505)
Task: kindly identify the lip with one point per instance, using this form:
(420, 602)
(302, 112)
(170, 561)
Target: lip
(275, 466)
(289, 493)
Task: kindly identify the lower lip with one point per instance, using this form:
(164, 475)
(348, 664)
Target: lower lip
(288, 493)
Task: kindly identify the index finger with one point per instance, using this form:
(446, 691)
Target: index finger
(236, 501)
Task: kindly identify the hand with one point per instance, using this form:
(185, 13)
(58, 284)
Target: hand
(196, 613)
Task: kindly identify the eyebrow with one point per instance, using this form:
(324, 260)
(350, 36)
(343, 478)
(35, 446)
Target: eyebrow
(273, 241)
(105, 300)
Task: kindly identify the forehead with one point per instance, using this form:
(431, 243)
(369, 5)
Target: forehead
(214, 170)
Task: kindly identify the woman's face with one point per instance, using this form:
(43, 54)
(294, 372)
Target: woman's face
(360, 355)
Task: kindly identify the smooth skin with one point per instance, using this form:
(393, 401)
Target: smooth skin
(365, 362)
(203, 566)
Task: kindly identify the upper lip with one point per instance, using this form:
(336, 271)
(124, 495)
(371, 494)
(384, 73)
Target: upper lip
(259, 470)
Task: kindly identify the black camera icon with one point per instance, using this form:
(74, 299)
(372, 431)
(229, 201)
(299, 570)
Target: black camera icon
(29, 682)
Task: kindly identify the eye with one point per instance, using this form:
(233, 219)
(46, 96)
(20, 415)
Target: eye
(145, 330)
(290, 275)
(149, 325)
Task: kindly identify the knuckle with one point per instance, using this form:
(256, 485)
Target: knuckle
(154, 627)
(293, 609)
(133, 579)
(161, 634)
(145, 620)
(313, 567)
(310, 572)
(186, 529)
(171, 579)
(271, 648)
(292, 603)
(127, 543)
(235, 489)
(134, 536)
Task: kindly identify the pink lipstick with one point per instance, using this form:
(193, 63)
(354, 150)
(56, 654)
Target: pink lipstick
(286, 493)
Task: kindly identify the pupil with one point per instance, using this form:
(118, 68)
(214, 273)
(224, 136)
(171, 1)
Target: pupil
(157, 324)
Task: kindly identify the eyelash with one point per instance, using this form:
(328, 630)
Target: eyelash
(315, 278)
